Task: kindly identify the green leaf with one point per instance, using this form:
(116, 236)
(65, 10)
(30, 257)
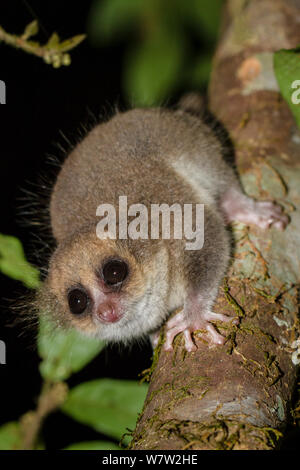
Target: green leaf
(64, 353)
(110, 18)
(153, 69)
(14, 264)
(107, 405)
(93, 445)
(10, 436)
(71, 42)
(199, 75)
(287, 71)
(203, 16)
(53, 41)
(31, 29)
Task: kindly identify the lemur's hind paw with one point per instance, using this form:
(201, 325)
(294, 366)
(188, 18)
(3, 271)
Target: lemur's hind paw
(267, 214)
(239, 207)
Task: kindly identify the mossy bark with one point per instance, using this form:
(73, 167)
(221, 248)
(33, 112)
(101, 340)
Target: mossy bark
(238, 396)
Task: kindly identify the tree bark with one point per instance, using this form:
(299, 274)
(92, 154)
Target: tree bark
(238, 396)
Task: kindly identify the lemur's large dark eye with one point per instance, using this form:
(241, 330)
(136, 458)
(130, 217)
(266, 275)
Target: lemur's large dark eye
(114, 272)
(78, 300)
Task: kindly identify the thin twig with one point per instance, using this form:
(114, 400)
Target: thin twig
(53, 52)
(51, 397)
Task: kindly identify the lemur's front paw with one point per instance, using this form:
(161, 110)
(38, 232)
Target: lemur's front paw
(181, 323)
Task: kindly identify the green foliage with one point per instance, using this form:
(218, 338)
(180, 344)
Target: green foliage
(159, 52)
(10, 436)
(204, 17)
(31, 29)
(64, 353)
(54, 41)
(109, 406)
(14, 264)
(66, 45)
(158, 43)
(53, 52)
(93, 445)
(110, 19)
(287, 70)
(199, 73)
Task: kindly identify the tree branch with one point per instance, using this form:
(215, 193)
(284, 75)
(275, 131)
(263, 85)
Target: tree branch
(238, 396)
(53, 52)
